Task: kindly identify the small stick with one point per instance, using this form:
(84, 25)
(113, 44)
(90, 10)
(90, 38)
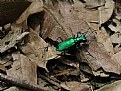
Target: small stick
(21, 83)
(100, 17)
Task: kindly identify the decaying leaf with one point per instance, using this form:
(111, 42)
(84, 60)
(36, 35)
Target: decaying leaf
(117, 57)
(13, 88)
(103, 38)
(116, 86)
(35, 7)
(116, 38)
(22, 68)
(106, 12)
(38, 50)
(73, 22)
(94, 4)
(98, 58)
(116, 28)
(47, 20)
(86, 15)
(11, 39)
(76, 86)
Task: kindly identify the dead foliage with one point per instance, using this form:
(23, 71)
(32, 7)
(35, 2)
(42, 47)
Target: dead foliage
(30, 31)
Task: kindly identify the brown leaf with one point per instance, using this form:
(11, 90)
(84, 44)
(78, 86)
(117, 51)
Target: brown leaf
(116, 38)
(59, 26)
(22, 68)
(15, 89)
(105, 12)
(94, 4)
(103, 38)
(76, 86)
(117, 57)
(116, 86)
(116, 28)
(37, 50)
(11, 39)
(70, 17)
(97, 58)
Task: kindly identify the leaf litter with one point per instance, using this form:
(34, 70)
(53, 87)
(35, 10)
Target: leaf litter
(28, 57)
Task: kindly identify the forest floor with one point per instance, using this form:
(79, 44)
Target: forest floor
(31, 31)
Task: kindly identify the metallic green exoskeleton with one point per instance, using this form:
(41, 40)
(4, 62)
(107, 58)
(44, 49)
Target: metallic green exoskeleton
(66, 44)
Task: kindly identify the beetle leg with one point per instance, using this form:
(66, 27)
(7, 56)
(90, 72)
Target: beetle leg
(59, 38)
(78, 45)
(63, 53)
(81, 33)
(78, 34)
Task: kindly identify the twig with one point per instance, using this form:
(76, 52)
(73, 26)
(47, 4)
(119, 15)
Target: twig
(100, 17)
(21, 83)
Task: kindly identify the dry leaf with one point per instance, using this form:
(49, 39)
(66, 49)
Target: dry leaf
(65, 19)
(94, 4)
(97, 58)
(86, 15)
(38, 50)
(76, 86)
(11, 39)
(106, 12)
(72, 19)
(15, 89)
(117, 57)
(116, 86)
(103, 38)
(116, 28)
(56, 26)
(116, 38)
(35, 7)
(22, 68)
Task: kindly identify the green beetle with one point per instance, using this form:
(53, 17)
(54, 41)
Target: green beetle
(66, 44)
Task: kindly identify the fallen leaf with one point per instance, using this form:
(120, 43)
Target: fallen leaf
(35, 7)
(116, 28)
(116, 38)
(117, 57)
(94, 4)
(13, 88)
(11, 39)
(75, 86)
(116, 86)
(22, 68)
(104, 39)
(105, 12)
(38, 50)
(98, 58)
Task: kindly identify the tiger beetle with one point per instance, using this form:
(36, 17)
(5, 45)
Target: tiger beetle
(68, 43)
